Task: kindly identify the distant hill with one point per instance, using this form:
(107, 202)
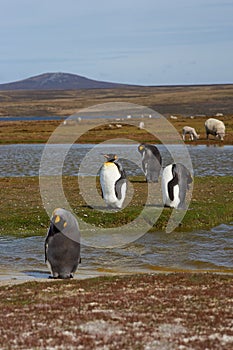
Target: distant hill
(59, 81)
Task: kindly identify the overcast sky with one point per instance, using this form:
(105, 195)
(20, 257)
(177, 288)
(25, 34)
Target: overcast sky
(149, 42)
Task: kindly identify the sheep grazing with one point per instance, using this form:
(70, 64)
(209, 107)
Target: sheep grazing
(191, 131)
(215, 127)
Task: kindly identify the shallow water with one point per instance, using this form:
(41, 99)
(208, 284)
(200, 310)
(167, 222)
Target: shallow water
(154, 252)
(25, 160)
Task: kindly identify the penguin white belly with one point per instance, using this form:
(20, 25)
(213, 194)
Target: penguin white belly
(108, 177)
(145, 164)
(166, 178)
(175, 203)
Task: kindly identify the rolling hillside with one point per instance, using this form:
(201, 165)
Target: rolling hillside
(59, 81)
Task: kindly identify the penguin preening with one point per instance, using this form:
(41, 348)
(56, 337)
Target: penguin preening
(151, 161)
(113, 182)
(175, 183)
(62, 244)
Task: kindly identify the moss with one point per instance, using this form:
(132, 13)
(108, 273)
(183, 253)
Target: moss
(22, 212)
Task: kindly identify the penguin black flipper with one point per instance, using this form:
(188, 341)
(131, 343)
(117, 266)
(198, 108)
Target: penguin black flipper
(45, 251)
(101, 189)
(102, 193)
(46, 245)
(121, 170)
(173, 182)
(185, 179)
(121, 181)
(118, 187)
(154, 150)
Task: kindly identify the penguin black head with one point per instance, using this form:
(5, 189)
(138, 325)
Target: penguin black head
(57, 223)
(111, 157)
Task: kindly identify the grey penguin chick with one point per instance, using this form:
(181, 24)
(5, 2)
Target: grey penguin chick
(151, 161)
(62, 244)
(176, 179)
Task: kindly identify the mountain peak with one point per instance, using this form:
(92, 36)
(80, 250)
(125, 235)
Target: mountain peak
(58, 81)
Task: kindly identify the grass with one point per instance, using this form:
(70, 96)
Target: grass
(40, 131)
(181, 101)
(23, 214)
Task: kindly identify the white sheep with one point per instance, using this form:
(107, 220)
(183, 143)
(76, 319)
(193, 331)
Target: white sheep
(141, 125)
(191, 131)
(215, 127)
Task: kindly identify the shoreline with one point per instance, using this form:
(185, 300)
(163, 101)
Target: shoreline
(8, 277)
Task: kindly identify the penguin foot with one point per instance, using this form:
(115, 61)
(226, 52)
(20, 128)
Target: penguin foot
(53, 277)
(61, 277)
(65, 277)
(167, 206)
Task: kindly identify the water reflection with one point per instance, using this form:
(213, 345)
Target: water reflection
(24, 160)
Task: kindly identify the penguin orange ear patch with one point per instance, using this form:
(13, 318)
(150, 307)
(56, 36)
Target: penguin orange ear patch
(141, 148)
(65, 224)
(57, 219)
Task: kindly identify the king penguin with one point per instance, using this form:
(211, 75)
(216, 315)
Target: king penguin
(151, 161)
(62, 244)
(113, 182)
(175, 183)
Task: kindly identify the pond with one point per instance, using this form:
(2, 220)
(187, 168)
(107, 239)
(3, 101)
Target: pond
(25, 159)
(212, 250)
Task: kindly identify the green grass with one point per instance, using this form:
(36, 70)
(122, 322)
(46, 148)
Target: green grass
(23, 214)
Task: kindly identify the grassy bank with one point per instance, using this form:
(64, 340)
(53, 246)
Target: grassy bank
(23, 214)
(174, 311)
(40, 131)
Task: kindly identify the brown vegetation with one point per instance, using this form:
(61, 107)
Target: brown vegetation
(199, 102)
(40, 131)
(183, 100)
(174, 311)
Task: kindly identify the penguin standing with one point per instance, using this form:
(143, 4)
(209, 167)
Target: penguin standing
(151, 161)
(62, 244)
(175, 182)
(113, 182)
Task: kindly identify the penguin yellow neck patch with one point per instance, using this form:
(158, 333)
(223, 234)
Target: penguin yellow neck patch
(109, 163)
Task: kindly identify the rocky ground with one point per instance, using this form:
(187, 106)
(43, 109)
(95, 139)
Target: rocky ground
(159, 311)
